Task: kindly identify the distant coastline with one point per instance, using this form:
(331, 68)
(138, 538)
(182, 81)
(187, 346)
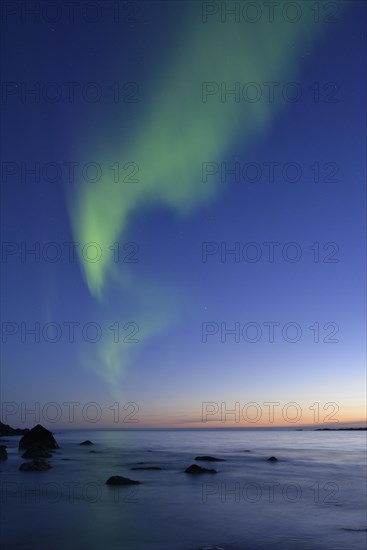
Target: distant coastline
(6, 430)
(337, 429)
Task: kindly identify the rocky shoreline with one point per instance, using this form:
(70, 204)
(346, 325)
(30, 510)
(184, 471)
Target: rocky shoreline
(8, 431)
(38, 444)
(41, 452)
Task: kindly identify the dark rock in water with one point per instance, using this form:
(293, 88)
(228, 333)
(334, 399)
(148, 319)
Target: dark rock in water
(36, 452)
(7, 430)
(246, 451)
(38, 437)
(37, 465)
(66, 459)
(272, 459)
(3, 452)
(195, 469)
(146, 468)
(119, 480)
(86, 442)
(209, 458)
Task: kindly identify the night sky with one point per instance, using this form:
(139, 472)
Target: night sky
(145, 91)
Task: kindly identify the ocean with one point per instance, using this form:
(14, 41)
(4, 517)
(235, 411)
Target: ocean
(313, 497)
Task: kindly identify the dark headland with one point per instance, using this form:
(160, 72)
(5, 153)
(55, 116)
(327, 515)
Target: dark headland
(339, 429)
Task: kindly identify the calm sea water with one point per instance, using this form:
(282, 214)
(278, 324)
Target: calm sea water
(313, 498)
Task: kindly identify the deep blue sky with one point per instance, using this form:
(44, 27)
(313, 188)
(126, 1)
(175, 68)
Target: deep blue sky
(173, 372)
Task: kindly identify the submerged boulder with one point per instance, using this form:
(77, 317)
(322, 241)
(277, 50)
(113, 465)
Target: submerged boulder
(119, 480)
(38, 437)
(86, 442)
(195, 469)
(3, 452)
(36, 452)
(37, 465)
(272, 459)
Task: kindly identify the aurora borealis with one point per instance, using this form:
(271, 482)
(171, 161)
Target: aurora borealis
(185, 124)
(211, 91)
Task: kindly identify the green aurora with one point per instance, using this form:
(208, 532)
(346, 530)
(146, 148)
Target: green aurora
(182, 128)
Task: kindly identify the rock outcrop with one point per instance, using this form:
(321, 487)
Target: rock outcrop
(37, 465)
(3, 452)
(6, 430)
(36, 452)
(38, 437)
(195, 469)
(119, 480)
